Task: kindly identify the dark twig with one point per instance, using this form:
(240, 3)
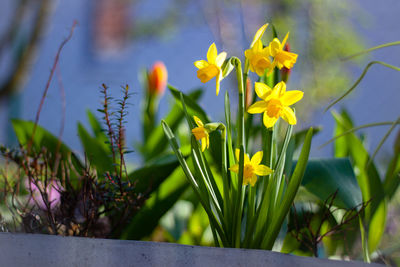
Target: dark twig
(49, 81)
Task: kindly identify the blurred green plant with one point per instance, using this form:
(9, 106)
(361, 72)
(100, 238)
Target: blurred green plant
(377, 189)
(97, 198)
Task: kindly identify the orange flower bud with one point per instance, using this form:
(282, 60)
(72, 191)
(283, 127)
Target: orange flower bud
(157, 78)
(285, 72)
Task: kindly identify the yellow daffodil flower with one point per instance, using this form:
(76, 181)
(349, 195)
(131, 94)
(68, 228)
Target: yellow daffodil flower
(275, 103)
(251, 168)
(212, 67)
(201, 133)
(257, 55)
(281, 57)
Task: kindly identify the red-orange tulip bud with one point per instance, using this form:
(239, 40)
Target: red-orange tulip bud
(157, 78)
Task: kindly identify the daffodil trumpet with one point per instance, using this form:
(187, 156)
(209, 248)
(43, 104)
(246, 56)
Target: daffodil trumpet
(246, 198)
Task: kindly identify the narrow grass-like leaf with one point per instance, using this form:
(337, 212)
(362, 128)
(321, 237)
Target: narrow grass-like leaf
(359, 80)
(364, 241)
(44, 139)
(352, 130)
(392, 177)
(369, 181)
(157, 142)
(97, 152)
(293, 186)
(383, 140)
(370, 50)
(201, 195)
(192, 107)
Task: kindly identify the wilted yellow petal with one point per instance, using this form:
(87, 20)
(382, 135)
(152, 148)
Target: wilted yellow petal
(256, 159)
(268, 121)
(289, 116)
(259, 34)
(291, 97)
(212, 54)
(201, 64)
(258, 107)
(262, 170)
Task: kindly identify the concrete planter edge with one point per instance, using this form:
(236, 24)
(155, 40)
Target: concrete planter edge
(48, 250)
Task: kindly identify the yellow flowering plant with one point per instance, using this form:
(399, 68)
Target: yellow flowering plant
(246, 198)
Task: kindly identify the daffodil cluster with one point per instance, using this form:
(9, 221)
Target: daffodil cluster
(235, 190)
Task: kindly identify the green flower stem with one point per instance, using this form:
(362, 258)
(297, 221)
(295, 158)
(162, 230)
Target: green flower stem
(227, 198)
(239, 203)
(250, 215)
(239, 75)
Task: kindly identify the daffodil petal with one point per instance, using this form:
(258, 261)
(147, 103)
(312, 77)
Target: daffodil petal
(208, 141)
(288, 115)
(253, 180)
(258, 107)
(271, 69)
(256, 158)
(262, 170)
(217, 83)
(262, 90)
(274, 47)
(220, 59)
(259, 34)
(234, 168)
(258, 46)
(212, 53)
(207, 73)
(285, 59)
(280, 88)
(246, 158)
(268, 121)
(201, 64)
(291, 97)
(203, 144)
(237, 154)
(198, 121)
(284, 40)
(199, 132)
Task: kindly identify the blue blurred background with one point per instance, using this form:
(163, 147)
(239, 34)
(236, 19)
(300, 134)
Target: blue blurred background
(115, 39)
